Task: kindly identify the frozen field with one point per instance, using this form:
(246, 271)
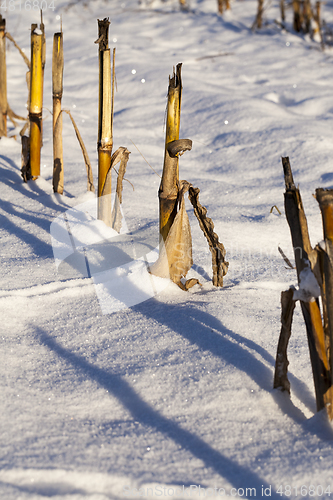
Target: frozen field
(176, 390)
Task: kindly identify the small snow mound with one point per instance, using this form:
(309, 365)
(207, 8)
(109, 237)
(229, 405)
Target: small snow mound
(273, 97)
(308, 289)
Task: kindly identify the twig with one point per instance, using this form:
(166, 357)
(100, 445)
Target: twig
(84, 152)
(145, 158)
(26, 60)
(285, 258)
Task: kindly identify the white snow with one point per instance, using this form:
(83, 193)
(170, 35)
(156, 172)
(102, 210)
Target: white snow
(175, 390)
(308, 288)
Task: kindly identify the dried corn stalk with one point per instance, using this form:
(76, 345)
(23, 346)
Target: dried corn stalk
(3, 79)
(281, 363)
(168, 191)
(310, 306)
(260, 11)
(297, 23)
(105, 132)
(57, 90)
(25, 158)
(36, 100)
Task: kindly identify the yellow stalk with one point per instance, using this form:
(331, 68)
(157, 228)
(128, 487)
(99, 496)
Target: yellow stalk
(36, 102)
(3, 79)
(105, 133)
(168, 192)
(325, 200)
(57, 89)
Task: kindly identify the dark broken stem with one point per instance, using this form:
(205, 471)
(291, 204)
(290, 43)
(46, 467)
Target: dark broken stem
(297, 24)
(285, 258)
(281, 363)
(303, 253)
(25, 158)
(282, 11)
(3, 79)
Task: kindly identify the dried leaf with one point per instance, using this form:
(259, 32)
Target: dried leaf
(175, 258)
(84, 152)
(122, 155)
(220, 266)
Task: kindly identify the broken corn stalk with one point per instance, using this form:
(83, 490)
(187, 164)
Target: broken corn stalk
(36, 100)
(168, 192)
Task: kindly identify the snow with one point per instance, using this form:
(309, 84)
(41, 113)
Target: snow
(176, 390)
(308, 289)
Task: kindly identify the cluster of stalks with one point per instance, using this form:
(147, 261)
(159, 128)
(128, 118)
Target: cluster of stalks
(318, 263)
(304, 13)
(5, 110)
(306, 18)
(173, 221)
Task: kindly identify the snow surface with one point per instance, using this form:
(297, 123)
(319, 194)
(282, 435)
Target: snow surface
(176, 390)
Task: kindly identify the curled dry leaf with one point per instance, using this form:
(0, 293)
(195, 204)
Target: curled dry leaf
(220, 266)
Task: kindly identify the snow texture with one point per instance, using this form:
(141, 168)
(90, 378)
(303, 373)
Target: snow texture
(308, 289)
(104, 402)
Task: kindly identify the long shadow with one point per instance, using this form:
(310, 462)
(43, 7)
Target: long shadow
(12, 178)
(238, 475)
(38, 246)
(207, 332)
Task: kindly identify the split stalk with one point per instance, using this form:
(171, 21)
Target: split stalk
(325, 200)
(57, 89)
(3, 79)
(36, 100)
(168, 192)
(105, 124)
(303, 254)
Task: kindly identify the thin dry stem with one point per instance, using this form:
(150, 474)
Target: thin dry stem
(90, 186)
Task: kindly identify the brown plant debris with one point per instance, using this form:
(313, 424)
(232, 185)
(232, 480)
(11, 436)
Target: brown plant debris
(189, 284)
(281, 363)
(122, 156)
(84, 152)
(25, 158)
(219, 264)
(175, 258)
(274, 206)
(285, 258)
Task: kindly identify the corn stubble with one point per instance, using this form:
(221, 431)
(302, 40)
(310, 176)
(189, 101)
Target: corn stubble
(36, 98)
(57, 90)
(319, 261)
(175, 256)
(106, 160)
(3, 79)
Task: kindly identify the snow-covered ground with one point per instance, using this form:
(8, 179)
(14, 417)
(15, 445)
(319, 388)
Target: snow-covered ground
(176, 390)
